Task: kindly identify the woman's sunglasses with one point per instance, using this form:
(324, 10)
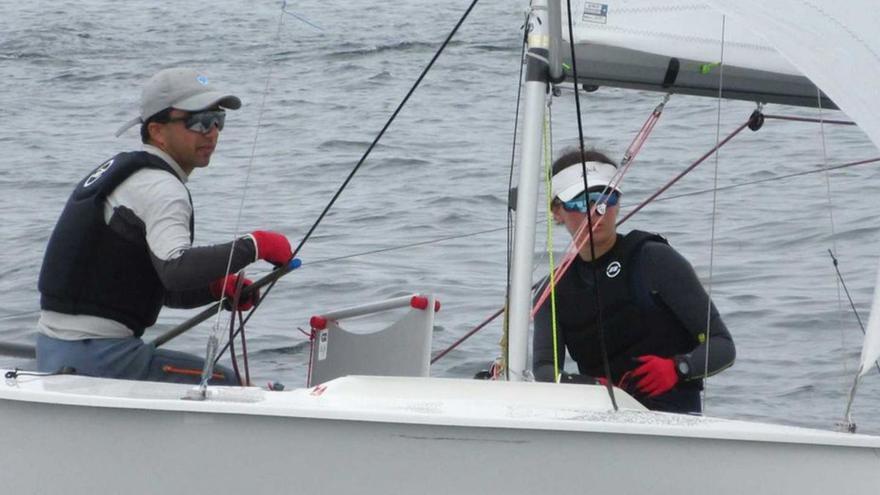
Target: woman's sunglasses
(583, 201)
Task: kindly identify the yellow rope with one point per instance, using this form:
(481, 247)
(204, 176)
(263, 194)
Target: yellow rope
(548, 153)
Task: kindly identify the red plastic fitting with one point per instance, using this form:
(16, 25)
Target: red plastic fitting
(318, 322)
(421, 302)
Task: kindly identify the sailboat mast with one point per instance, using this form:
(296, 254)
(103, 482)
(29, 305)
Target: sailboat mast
(535, 91)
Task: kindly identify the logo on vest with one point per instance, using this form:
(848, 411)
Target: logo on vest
(98, 173)
(613, 269)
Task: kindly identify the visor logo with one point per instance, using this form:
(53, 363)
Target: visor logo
(613, 269)
(203, 80)
(98, 173)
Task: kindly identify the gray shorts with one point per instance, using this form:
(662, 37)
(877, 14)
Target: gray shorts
(127, 358)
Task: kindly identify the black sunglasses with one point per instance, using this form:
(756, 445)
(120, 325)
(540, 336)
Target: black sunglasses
(202, 122)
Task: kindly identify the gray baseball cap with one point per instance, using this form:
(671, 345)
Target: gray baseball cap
(180, 88)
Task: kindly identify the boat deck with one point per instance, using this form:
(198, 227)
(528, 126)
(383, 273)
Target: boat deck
(437, 401)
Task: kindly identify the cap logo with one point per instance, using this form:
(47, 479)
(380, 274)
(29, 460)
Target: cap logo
(613, 269)
(203, 80)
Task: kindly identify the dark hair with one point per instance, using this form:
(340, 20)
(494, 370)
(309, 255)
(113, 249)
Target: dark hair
(572, 156)
(160, 117)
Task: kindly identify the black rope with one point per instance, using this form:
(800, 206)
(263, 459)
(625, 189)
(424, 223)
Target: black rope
(236, 299)
(384, 128)
(17, 372)
(369, 149)
(577, 103)
(230, 344)
(279, 272)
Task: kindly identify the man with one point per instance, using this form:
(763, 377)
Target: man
(122, 247)
(652, 309)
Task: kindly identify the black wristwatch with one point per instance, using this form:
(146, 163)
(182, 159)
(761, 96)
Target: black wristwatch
(682, 366)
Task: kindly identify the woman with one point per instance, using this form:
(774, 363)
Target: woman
(637, 290)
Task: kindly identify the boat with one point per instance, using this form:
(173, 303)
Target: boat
(374, 434)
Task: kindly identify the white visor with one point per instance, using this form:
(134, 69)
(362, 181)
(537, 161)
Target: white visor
(569, 182)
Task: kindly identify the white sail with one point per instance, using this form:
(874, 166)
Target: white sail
(871, 346)
(837, 46)
(677, 46)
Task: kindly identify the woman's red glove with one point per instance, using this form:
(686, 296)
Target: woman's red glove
(272, 247)
(655, 376)
(225, 286)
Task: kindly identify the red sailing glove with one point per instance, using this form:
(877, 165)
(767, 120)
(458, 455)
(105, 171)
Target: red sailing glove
(226, 286)
(272, 247)
(655, 376)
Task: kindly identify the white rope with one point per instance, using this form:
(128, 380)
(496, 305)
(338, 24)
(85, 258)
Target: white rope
(221, 323)
(827, 175)
(714, 213)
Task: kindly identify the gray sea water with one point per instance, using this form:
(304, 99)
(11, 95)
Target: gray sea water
(71, 73)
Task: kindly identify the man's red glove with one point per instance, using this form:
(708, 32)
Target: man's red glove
(272, 247)
(655, 376)
(225, 286)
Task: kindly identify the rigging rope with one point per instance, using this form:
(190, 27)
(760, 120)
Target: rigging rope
(577, 103)
(771, 179)
(848, 296)
(686, 171)
(708, 334)
(827, 176)
(806, 119)
(271, 278)
(551, 277)
(643, 204)
(214, 338)
(653, 198)
(581, 236)
(510, 219)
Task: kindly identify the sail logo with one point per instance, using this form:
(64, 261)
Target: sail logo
(595, 12)
(98, 173)
(613, 269)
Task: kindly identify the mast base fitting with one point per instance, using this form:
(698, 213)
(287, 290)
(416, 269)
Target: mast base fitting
(846, 427)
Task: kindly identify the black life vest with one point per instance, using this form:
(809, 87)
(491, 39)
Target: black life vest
(97, 269)
(635, 321)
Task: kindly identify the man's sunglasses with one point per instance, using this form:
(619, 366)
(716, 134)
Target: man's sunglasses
(583, 201)
(202, 122)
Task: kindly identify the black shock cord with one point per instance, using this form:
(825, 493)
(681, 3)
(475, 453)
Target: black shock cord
(609, 385)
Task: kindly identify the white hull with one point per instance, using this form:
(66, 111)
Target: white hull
(401, 435)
